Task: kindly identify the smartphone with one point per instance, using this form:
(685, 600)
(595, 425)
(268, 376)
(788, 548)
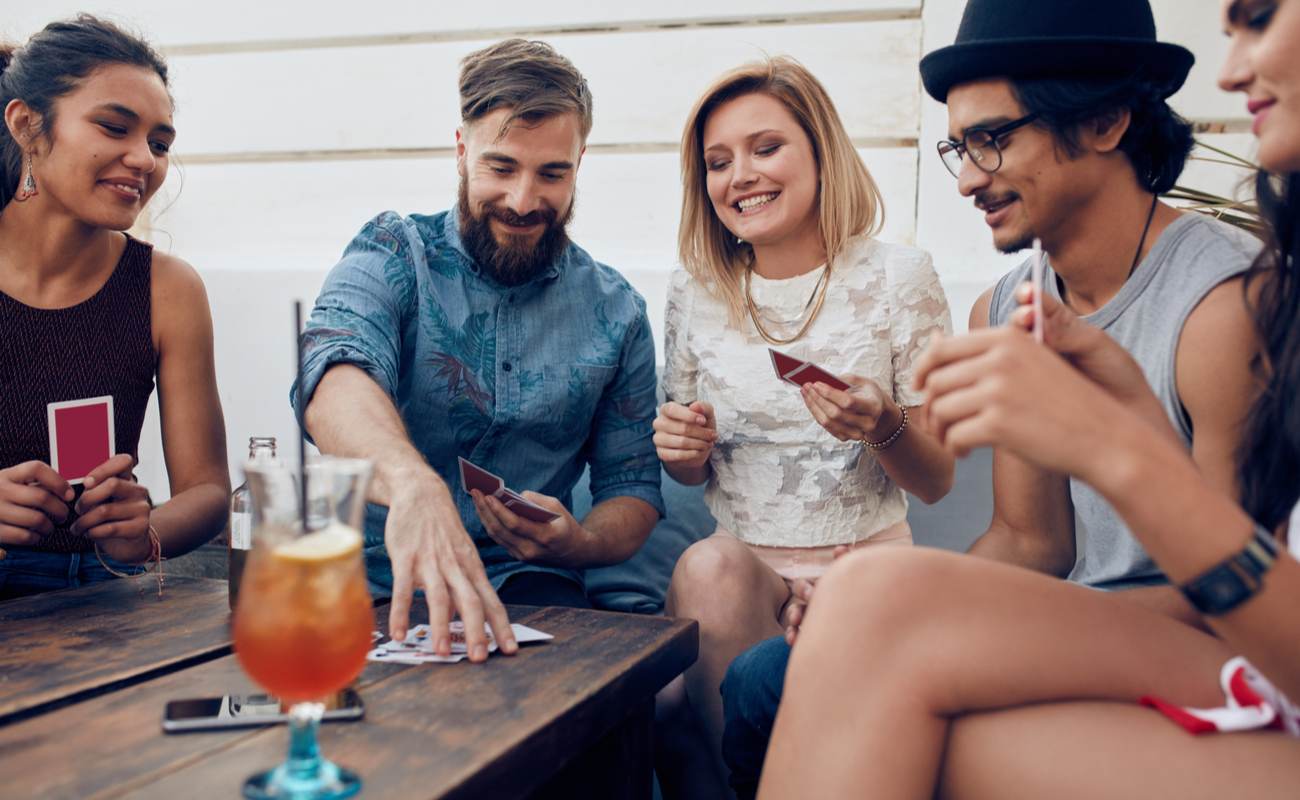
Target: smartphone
(247, 711)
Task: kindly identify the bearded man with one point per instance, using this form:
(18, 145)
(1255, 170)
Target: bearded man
(482, 332)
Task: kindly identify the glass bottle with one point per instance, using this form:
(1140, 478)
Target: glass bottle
(261, 450)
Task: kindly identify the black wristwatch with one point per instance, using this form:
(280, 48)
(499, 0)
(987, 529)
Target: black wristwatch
(1222, 588)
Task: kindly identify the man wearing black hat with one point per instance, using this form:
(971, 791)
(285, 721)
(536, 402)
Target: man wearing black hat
(1059, 130)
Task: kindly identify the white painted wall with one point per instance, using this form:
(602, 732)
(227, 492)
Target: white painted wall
(299, 121)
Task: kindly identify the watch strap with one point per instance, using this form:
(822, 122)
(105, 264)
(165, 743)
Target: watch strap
(1236, 579)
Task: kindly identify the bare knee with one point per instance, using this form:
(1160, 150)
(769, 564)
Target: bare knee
(717, 576)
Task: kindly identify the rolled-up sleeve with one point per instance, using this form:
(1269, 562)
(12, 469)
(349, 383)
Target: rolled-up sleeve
(359, 315)
(621, 449)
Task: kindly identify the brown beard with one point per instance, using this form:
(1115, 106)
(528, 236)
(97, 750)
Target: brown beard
(518, 260)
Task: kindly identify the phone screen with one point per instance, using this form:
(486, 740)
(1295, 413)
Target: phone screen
(248, 710)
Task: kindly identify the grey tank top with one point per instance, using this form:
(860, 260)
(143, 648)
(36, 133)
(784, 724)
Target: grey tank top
(1192, 256)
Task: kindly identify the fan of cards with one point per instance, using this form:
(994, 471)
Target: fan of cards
(793, 370)
(417, 647)
(472, 476)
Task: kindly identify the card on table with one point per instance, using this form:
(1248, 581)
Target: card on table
(81, 436)
(472, 476)
(417, 647)
(800, 373)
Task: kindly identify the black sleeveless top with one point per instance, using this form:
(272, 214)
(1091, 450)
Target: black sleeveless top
(102, 346)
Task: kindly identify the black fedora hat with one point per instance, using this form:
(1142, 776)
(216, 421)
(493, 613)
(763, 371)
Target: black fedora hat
(1055, 39)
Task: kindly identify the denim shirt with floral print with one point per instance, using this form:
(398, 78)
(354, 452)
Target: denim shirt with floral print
(532, 382)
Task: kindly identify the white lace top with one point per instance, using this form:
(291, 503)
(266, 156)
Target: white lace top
(779, 479)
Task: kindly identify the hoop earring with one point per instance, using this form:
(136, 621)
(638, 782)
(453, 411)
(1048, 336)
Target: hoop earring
(28, 188)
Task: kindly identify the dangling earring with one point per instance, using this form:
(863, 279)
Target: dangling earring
(28, 188)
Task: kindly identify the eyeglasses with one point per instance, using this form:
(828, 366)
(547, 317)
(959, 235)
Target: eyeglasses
(981, 144)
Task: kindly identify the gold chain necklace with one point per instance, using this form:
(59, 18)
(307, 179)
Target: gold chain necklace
(818, 293)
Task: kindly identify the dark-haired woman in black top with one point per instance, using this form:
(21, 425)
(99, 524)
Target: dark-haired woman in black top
(87, 311)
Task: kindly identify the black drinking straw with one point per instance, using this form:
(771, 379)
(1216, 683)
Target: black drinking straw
(302, 434)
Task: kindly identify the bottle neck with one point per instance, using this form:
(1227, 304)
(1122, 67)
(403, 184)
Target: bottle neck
(261, 454)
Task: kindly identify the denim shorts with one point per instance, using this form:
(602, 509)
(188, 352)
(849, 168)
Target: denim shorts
(25, 572)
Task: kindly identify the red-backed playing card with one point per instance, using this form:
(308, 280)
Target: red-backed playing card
(792, 370)
(472, 476)
(526, 508)
(811, 373)
(783, 364)
(81, 436)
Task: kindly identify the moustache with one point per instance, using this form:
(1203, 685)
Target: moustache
(986, 200)
(539, 217)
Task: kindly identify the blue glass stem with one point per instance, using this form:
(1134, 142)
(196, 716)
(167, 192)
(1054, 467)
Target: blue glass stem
(304, 762)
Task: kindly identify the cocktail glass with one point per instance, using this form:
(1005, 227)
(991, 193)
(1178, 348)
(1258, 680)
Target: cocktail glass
(303, 621)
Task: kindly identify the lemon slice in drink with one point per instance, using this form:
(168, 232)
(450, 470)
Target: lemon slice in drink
(328, 544)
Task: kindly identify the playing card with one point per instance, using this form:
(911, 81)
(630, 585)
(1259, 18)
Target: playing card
(525, 508)
(383, 656)
(81, 436)
(417, 647)
(792, 370)
(1036, 277)
(783, 364)
(473, 476)
(811, 373)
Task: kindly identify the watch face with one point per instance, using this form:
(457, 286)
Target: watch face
(1224, 587)
(1226, 590)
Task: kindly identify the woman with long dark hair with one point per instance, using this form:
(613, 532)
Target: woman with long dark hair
(88, 312)
(999, 682)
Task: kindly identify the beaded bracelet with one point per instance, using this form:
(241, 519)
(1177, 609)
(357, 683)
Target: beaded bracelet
(155, 555)
(893, 437)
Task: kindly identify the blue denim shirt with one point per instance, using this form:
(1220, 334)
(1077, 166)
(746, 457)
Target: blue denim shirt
(532, 382)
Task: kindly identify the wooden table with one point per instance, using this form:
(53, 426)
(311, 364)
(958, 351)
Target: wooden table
(566, 718)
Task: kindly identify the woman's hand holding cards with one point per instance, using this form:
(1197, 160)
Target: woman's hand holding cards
(685, 435)
(114, 511)
(33, 498)
(1092, 352)
(863, 411)
(999, 387)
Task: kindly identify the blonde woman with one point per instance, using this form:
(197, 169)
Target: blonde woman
(777, 240)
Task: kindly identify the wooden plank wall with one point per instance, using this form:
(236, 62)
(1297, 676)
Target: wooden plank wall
(299, 121)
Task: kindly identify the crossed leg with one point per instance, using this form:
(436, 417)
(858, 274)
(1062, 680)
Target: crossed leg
(1086, 750)
(899, 643)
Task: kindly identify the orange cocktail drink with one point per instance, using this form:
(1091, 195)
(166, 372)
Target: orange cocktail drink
(303, 622)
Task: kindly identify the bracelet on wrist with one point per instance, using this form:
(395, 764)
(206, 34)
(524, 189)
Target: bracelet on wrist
(1234, 580)
(893, 437)
(155, 555)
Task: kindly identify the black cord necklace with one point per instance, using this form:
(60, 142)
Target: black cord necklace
(1137, 254)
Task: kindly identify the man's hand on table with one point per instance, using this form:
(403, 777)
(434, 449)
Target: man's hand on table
(430, 549)
(559, 542)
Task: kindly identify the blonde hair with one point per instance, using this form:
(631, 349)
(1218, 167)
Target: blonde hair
(849, 203)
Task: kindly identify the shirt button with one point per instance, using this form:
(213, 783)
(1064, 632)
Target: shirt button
(506, 366)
